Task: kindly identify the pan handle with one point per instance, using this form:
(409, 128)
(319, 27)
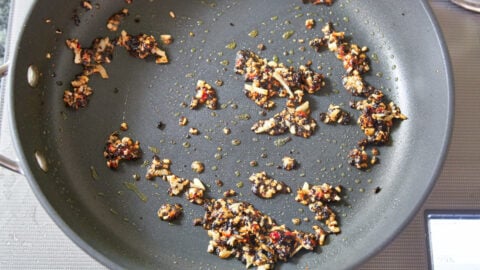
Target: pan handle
(6, 162)
(10, 164)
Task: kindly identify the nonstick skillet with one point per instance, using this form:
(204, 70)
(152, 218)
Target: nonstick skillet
(61, 150)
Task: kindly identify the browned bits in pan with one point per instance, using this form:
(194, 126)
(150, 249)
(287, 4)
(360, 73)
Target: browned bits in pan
(309, 23)
(161, 168)
(297, 121)
(356, 86)
(100, 52)
(198, 167)
(78, 97)
(91, 59)
(193, 131)
(289, 163)
(87, 5)
(114, 21)
(296, 221)
(177, 184)
(318, 199)
(124, 126)
(239, 230)
(353, 57)
(269, 78)
(166, 39)
(377, 118)
(204, 94)
(117, 149)
(335, 114)
(141, 46)
(359, 158)
(183, 121)
(266, 187)
(229, 193)
(168, 212)
(318, 2)
(195, 193)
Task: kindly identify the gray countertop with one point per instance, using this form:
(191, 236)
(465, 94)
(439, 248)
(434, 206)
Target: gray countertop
(4, 11)
(29, 239)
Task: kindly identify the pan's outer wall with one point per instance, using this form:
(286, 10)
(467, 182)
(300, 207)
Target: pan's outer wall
(85, 208)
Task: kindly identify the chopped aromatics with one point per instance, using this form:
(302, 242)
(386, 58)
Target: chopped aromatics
(265, 187)
(193, 131)
(78, 97)
(376, 119)
(161, 168)
(318, 2)
(356, 86)
(269, 78)
(177, 184)
(141, 46)
(115, 20)
(318, 199)
(166, 39)
(335, 114)
(168, 212)
(359, 158)
(354, 58)
(297, 121)
(239, 230)
(195, 193)
(204, 94)
(288, 163)
(183, 121)
(124, 126)
(91, 59)
(198, 167)
(100, 52)
(87, 5)
(117, 149)
(309, 23)
(229, 193)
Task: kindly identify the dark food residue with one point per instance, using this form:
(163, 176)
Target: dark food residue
(117, 149)
(237, 229)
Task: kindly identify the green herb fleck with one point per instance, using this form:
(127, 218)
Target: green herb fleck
(232, 45)
(282, 141)
(94, 173)
(288, 34)
(253, 33)
(243, 116)
(153, 149)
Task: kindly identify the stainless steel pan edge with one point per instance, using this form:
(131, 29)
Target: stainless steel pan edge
(28, 169)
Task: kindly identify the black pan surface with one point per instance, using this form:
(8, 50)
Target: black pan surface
(110, 222)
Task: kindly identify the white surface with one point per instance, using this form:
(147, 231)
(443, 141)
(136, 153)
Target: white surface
(454, 243)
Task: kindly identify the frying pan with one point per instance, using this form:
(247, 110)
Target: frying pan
(91, 203)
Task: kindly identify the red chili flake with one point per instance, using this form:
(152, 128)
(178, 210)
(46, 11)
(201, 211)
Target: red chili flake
(275, 235)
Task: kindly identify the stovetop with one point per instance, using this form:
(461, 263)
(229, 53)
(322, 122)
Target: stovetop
(29, 239)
